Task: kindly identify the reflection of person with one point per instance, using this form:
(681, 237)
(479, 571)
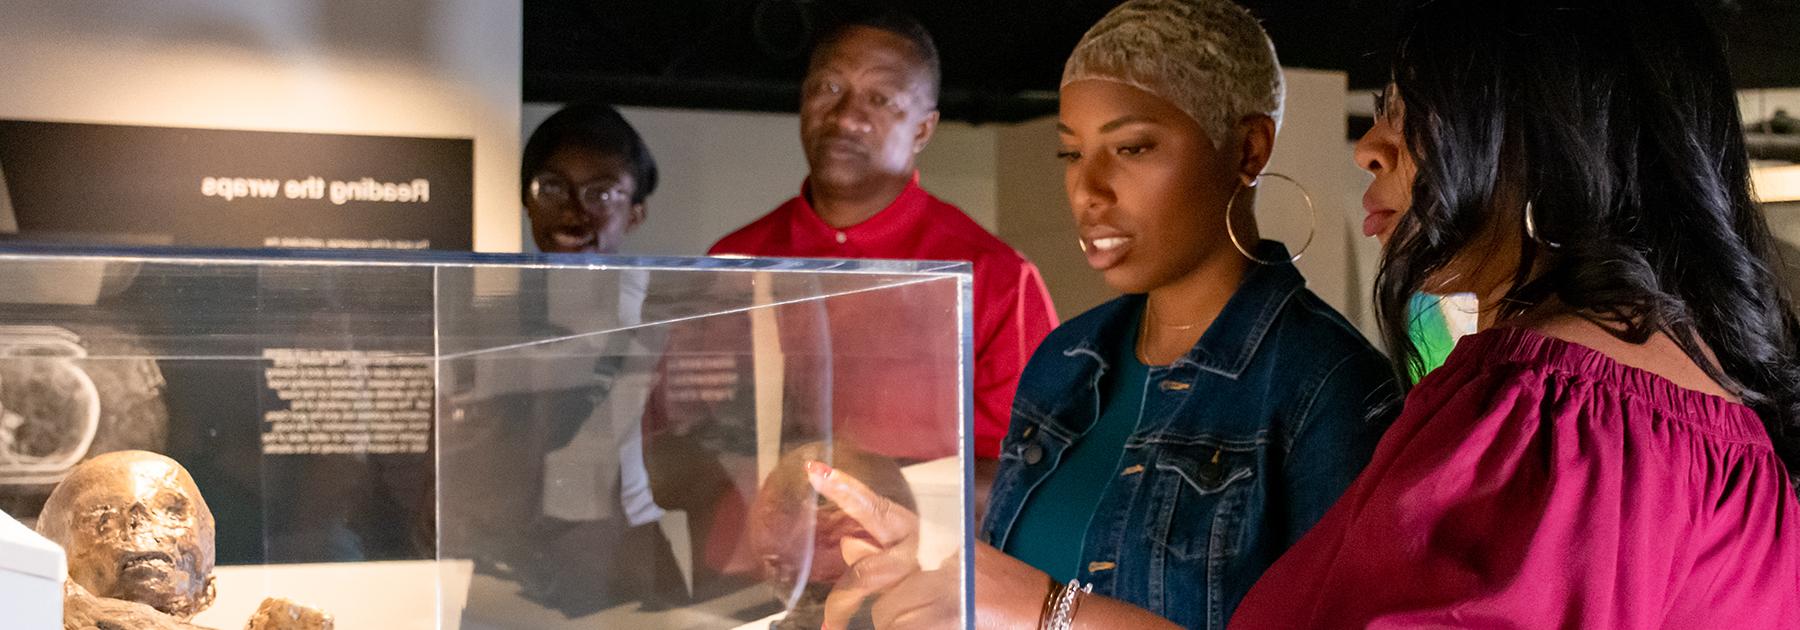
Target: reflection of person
(596, 488)
(1167, 446)
(868, 107)
(585, 177)
(1613, 448)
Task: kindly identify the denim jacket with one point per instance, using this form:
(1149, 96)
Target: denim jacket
(1242, 445)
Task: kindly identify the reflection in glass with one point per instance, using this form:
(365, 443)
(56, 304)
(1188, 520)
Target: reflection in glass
(431, 441)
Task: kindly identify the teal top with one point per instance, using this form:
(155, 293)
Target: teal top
(1053, 525)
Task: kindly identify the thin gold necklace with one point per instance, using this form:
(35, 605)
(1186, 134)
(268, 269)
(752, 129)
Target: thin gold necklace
(1150, 323)
(1139, 351)
(1150, 315)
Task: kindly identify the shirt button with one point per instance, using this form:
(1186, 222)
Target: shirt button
(1211, 472)
(842, 237)
(1034, 454)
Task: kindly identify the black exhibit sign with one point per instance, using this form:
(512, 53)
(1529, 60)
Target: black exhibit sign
(90, 183)
(308, 422)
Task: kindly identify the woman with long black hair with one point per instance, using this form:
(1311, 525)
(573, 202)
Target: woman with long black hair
(1613, 449)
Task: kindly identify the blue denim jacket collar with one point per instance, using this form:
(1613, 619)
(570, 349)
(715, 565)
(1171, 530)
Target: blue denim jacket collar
(1210, 486)
(1232, 339)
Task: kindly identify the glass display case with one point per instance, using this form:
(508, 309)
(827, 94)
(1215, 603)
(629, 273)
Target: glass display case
(477, 441)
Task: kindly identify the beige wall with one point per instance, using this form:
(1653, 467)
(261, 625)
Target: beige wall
(961, 165)
(1310, 148)
(433, 68)
(1035, 216)
(1759, 105)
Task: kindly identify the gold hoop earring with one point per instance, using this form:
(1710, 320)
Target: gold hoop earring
(1531, 229)
(1311, 211)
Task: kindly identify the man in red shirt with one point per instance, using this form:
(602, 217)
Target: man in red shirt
(868, 107)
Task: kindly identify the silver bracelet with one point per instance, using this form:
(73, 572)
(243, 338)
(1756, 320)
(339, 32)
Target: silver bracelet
(1068, 599)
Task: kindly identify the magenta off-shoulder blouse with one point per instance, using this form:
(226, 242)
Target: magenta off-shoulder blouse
(1535, 483)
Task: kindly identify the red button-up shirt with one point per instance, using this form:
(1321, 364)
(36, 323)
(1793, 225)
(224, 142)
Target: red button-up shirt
(875, 398)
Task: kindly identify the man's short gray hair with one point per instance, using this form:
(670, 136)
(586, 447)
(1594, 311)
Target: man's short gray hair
(1210, 58)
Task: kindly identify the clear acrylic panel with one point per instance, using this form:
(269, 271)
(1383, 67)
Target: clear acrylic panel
(437, 441)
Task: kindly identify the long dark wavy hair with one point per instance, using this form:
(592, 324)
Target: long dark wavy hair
(1617, 121)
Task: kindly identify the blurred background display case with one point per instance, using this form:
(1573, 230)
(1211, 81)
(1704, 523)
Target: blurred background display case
(493, 441)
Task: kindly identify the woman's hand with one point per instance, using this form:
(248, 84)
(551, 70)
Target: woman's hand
(1008, 593)
(875, 565)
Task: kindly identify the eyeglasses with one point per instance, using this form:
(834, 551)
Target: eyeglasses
(553, 190)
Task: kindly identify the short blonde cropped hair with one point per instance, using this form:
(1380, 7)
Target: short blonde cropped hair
(1210, 58)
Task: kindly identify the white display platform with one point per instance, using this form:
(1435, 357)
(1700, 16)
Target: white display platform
(394, 595)
(31, 575)
(405, 595)
(937, 489)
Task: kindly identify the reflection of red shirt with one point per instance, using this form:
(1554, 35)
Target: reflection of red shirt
(1012, 308)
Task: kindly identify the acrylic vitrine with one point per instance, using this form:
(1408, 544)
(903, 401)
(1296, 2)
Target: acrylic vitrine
(473, 441)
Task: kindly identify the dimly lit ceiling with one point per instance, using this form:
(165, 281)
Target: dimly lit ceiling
(1002, 58)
